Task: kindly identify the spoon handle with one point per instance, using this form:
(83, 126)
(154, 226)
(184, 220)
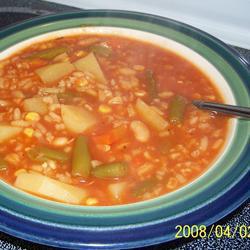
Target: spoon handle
(223, 108)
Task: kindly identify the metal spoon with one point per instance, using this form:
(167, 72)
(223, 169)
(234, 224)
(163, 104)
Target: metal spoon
(223, 108)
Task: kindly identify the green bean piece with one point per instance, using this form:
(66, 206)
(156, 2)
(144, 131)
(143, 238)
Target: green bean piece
(151, 84)
(81, 160)
(41, 154)
(3, 164)
(144, 186)
(66, 96)
(177, 108)
(111, 170)
(101, 50)
(47, 54)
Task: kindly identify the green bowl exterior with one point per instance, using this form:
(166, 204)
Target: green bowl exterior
(211, 184)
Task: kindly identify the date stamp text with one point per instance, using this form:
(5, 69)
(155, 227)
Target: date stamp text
(195, 231)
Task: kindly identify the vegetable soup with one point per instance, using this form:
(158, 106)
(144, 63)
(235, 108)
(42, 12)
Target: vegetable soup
(104, 120)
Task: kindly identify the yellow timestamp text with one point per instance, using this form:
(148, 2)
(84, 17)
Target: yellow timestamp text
(218, 231)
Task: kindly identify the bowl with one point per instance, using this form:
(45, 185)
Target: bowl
(216, 193)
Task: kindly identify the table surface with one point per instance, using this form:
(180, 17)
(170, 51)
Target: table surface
(12, 11)
(230, 24)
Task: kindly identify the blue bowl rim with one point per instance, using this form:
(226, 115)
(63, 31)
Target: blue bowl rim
(240, 190)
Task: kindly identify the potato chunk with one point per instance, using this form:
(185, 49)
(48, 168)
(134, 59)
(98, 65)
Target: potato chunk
(55, 72)
(35, 104)
(140, 130)
(117, 189)
(90, 64)
(77, 119)
(44, 186)
(150, 116)
(7, 132)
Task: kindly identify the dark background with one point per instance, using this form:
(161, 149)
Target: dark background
(13, 11)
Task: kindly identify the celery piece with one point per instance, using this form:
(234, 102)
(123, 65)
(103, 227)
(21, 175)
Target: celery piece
(3, 164)
(177, 108)
(47, 54)
(111, 170)
(144, 186)
(81, 161)
(101, 50)
(151, 85)
(66, 96)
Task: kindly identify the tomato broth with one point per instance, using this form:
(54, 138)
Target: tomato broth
(104, 120)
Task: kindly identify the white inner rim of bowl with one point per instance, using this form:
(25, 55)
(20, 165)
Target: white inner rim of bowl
(193, 57)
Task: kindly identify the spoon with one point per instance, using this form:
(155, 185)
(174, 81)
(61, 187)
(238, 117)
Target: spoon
(223, 108)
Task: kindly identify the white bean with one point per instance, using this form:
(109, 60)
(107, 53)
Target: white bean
(16, 114)
(60, 141)
(140, 131)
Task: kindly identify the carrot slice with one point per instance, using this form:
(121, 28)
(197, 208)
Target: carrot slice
(37, 62)
(112, 136)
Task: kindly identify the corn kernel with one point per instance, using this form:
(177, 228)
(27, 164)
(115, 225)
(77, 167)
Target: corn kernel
(81, 82)
(32, 116)
(104, 109)
(91, 201)
(81, 53)
(29, 132)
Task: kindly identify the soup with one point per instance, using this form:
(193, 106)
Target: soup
(104, 120)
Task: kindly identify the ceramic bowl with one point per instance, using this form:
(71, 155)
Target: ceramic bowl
(216, 193)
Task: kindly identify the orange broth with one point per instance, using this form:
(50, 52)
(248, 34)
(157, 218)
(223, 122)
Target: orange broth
(159, 162)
